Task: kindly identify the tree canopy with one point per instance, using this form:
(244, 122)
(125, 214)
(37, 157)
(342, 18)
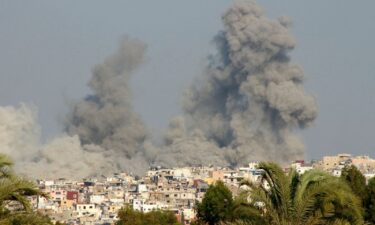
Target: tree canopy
(369, 202)
(129, 216)
(355, 180)
(217, 204)
(313, 198)
(14, 188)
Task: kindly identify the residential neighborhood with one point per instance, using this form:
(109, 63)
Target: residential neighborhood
(96, 201)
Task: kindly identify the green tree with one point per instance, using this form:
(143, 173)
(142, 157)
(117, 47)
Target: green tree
(355, 180)
(26, 218)
(216, 205)
(129, 216)
(243, 213)
(311, 199)
(369, 202)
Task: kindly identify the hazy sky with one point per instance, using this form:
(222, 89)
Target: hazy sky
(47, 50)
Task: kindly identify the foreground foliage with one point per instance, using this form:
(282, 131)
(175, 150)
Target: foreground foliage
(355, 179)
(366, 193)
(369, 202)
(25, 219)
(311, 199)
(17, 189)
(217, 204)
(314, 198)
(129, 216)
(219, 207)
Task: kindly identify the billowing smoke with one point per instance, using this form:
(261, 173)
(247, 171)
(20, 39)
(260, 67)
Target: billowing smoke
(64, 156)
(251, 99)
(247, 106)
(106, 118)
(19, 132)
(103, 134)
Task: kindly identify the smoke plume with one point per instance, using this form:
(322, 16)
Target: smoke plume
(247, 106)
(102, 132)
(251, 98)
(19, 132)
(106, 118)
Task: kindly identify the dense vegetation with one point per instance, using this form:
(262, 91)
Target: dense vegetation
(13, 189)
(128, 216)
(217, 205)
(366, 193)
(370, 202)
(314, 198)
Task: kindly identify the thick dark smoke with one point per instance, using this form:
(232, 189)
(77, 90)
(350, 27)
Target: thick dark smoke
(251, 99)
(106, 118)
(247, 106)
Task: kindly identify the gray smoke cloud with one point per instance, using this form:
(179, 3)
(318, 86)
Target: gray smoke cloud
(102, 132)
(247, 106)
(251, 99)
(106, 118)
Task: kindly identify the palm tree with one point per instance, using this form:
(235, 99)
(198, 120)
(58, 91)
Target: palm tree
(315, 198)
(15, 189)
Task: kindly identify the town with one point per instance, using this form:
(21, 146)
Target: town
(96, 201)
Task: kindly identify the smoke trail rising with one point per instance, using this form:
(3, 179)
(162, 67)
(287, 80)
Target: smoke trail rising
(103, 133)
(251, 99)
(247, 106)
(106, 118)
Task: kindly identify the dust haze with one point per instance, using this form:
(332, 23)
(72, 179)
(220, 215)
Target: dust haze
(247, 105)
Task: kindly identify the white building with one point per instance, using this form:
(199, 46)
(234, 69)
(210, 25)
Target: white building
(300, 168)
(97, 199)
(86, 210)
